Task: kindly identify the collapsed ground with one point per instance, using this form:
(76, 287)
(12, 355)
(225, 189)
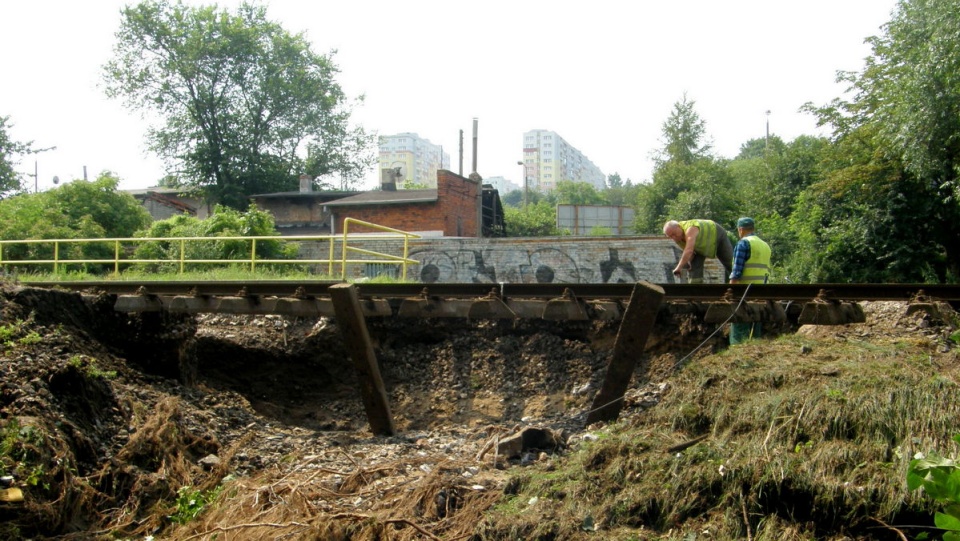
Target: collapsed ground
(252, 427)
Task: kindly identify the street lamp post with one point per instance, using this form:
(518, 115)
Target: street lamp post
(766, 141)
(524, 176)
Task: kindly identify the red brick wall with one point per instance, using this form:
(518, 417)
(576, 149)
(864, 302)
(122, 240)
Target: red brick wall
(454, 212)
(457, 201)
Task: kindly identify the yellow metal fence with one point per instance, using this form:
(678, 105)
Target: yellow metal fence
(123, 250)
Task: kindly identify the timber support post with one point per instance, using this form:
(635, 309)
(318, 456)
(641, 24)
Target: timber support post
(353, 328)
(635, 328)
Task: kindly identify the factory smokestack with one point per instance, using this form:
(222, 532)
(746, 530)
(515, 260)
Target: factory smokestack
(474, 145)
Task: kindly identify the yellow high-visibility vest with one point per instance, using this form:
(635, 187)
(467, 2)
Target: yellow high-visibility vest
(706, 243)
(757, 267)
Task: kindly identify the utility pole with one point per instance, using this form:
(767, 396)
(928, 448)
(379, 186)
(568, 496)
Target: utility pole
(524, 176)
(766, 142)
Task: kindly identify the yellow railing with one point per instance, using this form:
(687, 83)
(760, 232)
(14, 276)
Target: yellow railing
(123, 249)
(385, 233)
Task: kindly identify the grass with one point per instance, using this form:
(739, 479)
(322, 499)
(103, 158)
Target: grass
(798, 446)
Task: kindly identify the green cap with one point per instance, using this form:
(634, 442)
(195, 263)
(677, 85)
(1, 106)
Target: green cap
(745, 222)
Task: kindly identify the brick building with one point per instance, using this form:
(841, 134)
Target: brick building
(452, 209)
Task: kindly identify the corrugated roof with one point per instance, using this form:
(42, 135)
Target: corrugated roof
(381, 197)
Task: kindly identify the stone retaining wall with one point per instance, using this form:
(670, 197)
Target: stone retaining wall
(572, 260)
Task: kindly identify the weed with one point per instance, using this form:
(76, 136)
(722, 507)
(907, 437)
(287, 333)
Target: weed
(191, 502)
(19, 452)
(32, 337)
(88, 366)
(940, 479)
(9, 333)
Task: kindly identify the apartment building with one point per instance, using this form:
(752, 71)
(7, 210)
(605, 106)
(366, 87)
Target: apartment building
(416, 159)
(548, 159)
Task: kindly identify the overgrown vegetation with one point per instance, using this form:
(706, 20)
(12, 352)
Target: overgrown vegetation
(225, 222)
(939, 477)
(20, 451)
(759, 442)
(191, 502)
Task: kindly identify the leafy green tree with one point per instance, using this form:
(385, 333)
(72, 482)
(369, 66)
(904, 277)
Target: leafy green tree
(568, 192)
(535, 220)
(614, 180)
(709, 192)
(687, 181)
(684, 135)
(75, 210)
(905, 107)
(513, 198)
(239, 98)
(224, 222)
(620, 192)
(865, 220)
(10, 152)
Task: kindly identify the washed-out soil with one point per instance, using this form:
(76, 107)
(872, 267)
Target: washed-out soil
(118, 426)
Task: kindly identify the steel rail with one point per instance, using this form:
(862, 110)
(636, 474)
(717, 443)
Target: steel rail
(673, 292)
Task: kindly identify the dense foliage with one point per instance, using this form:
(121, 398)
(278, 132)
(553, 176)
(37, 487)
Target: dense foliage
(225, 222)
(240, 99)
(75, 210)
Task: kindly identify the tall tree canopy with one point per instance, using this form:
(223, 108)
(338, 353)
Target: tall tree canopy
(684, 135)
(244, 106)
(905, 110)
(688, 182)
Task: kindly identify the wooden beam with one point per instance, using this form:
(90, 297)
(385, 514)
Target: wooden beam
(353, 327)
(635, 328)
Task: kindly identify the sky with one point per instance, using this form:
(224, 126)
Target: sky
(603, 74)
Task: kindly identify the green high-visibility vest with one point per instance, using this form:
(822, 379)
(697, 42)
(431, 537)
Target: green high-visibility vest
(706, 243)
(757, 267)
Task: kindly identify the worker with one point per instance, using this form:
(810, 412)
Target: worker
(700, 239)
(751, 265)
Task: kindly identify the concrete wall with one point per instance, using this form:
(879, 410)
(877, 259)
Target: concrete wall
(565, 260)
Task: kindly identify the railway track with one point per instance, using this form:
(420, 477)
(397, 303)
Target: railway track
(808, 303)
(672, 292)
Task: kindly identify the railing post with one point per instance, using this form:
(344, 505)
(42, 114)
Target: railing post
(330, 258)
(406, 241)
(182, 251)
(116, 257)
(253, 254)
(56, 257)
(343, 251)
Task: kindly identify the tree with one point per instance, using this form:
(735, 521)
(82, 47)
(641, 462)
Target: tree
(534, 220)
(568, 192)
(10, 151)
(905, 107)
(684, 135)
(75, 210)
(614, 180)
(224, 222)
(619, 192)
(687, 181)
(239, 98)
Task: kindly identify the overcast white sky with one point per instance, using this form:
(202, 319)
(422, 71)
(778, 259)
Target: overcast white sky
(604, 74)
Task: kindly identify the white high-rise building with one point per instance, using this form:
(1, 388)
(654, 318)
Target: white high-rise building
(548, 159)
(418, 159)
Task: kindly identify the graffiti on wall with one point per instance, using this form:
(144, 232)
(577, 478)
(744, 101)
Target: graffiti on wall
(516, 265)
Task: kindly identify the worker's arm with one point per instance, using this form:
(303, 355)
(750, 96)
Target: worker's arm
(687, 254)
